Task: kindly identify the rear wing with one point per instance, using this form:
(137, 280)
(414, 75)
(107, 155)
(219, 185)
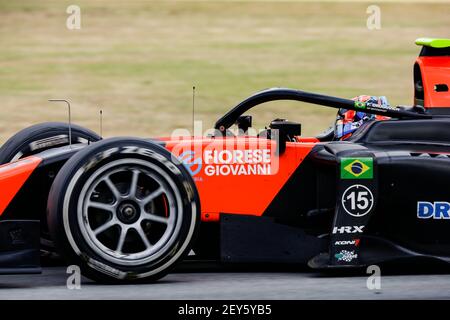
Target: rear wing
(434, 47)
(432, 75)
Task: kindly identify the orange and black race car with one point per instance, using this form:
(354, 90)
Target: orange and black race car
(129, 209)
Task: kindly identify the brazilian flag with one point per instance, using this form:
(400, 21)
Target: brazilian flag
(357, 168)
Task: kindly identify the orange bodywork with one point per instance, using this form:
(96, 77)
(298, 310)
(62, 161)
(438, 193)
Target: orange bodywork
(13, 176)
(435, 71)
(239, 175)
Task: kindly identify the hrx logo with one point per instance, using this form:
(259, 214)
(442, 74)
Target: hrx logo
(348, 229)
(433, 210)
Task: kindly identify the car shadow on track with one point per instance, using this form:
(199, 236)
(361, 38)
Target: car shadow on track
(416, 267)
(407, 267)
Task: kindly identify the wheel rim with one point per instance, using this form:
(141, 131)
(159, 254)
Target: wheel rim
(130, 212)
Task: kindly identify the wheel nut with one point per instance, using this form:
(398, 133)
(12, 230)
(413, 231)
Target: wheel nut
(128, 211)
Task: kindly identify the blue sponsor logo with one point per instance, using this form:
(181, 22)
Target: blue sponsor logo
(192, 164)
(433, 210)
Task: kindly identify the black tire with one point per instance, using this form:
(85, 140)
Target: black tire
(74, 219)
(38, 138)
(41, 137)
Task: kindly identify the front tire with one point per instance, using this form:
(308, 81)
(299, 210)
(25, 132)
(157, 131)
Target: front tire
(123, 210)
(41, 137)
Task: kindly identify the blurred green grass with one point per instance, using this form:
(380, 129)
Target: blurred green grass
(138, 60)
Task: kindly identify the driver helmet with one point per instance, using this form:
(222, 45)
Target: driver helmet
(348, 121)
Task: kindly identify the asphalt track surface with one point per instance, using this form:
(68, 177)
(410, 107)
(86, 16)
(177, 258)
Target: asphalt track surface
(196, 281)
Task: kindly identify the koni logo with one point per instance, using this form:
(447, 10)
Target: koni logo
(354, 242)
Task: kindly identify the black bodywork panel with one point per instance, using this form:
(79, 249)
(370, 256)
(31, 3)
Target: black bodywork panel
(19, 246)
(250, 239)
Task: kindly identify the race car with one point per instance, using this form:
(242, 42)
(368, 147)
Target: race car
(129, 209)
